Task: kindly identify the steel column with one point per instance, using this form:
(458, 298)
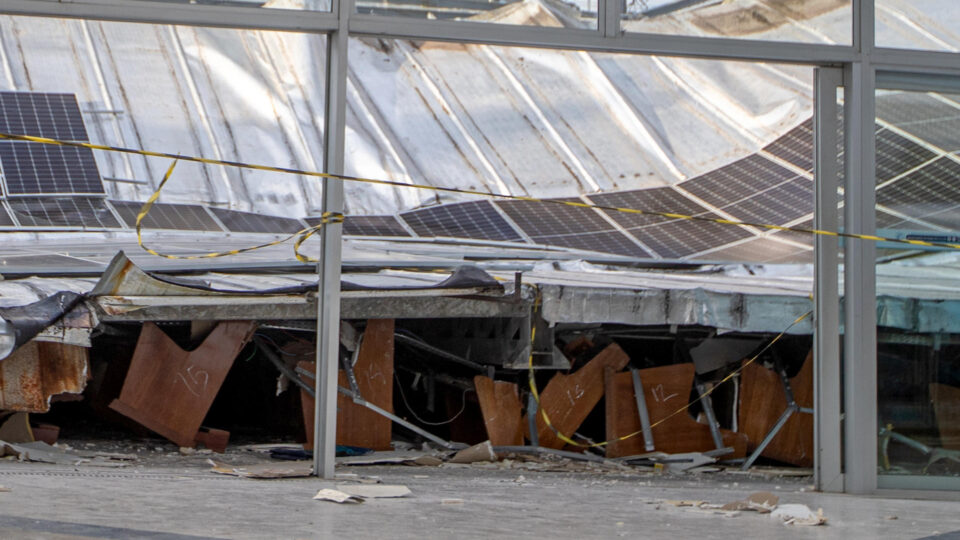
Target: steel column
(328, 300)
(826, 432)
(860, 312)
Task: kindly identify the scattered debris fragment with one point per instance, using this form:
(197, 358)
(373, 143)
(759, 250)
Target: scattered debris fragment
(799, 514)
(451, 501)
(4, 489)
(16, 428)
(374, 491)
(763, 502)
(478, 452)
(392, 458)
(337, 497)
(289, 469)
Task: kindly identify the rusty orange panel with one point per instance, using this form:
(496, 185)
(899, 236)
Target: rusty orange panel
(39, 370)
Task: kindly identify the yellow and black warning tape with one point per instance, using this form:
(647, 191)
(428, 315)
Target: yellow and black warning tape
(301, 235)
(336, 218)
(330, 217)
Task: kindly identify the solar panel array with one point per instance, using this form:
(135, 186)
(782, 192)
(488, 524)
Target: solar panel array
(56, 187)
(38, 169)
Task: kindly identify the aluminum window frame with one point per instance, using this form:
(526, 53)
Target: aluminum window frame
(859, 62)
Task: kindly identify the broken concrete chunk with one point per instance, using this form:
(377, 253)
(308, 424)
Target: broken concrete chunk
(374, 491)
(337, 496)
(476, 453)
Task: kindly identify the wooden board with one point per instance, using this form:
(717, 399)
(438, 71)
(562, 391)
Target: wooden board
(946, 404)
(568, 399)
(169, 390)
(358, 425)
(666, 389)
(502, 413)
(762, 401)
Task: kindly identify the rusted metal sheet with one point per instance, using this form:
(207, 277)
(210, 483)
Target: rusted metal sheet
(169, 390)
(39, 370)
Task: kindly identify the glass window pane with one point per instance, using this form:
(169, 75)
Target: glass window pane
(918, 338)
(308, 5)
(239, 95)
(711, 139)
(918, 24)
(557, 13)
(802, 21)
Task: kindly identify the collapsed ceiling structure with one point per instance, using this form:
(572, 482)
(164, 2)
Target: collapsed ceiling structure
(710, 139)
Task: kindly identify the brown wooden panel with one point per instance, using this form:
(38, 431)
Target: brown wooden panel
(946, 403)
(762, 401)
(502, 413)
(169, 390)
(568, 399)
(666, 389)
(358, 425)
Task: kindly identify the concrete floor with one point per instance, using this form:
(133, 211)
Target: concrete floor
(182, 499)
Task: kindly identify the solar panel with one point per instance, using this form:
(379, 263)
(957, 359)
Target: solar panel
(656, 199)
(670, 238)
(677, 239)
(551, 219)
(55, 116)
(738, 180)
(475, 219)
(5, 219)
(897, 155)
(181, 217)
(605, 242)
(370, 226)
(39, 169)
(569, 226)
(760, 250)
(931, 193)
(923, 116)
(890, 221)
(86, 212)
(237, 221)
(778, 205)
(796, 146)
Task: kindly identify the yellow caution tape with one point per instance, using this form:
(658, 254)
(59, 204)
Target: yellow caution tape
(634, 211)
(301, 235)
(565, 438)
